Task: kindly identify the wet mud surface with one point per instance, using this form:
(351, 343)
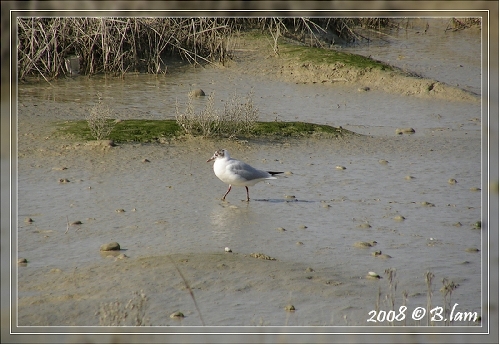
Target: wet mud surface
(161, 203)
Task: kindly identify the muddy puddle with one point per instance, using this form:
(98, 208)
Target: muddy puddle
(394, 190)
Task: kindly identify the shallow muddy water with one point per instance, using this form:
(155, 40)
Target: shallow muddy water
(172, 206)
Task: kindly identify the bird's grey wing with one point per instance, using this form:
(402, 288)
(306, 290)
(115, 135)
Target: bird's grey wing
(246, 171)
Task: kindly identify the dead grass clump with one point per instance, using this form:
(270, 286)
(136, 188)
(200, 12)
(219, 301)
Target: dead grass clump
(100, 120)
(117, 45)
(237, 117)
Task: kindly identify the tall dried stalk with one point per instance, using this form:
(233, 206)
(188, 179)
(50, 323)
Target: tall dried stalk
(238, 117)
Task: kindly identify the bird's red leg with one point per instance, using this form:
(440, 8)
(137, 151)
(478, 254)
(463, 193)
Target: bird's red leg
(228, 190)
(248, 196)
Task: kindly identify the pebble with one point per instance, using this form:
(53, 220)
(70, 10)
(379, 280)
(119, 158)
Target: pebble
(302, 226)
(452, 181)
(399, 217)
(59, 168)
(362, 244)
(197, 93)
(289, 196)
(475, 189)
(379, 254)
(457, 224)
(299, 243)
(228, 250)
(364, 89)
(409, 177)
(340, 167)
(425, 203)
(309, 269)
(76, 222)
(326, 205)
(22, 261)
(176, 315)
(281, 229)
(289, 307)
(121, 257)
(383, 161)
(373, 275)
(407, 130)
(145, 160)
(364, 226)
(261, 256)
(63, 180)
(471, 250)
(55, 270)
(120, 210)
(288, 173)
(28, 220)
(110, 246)
(477, 224)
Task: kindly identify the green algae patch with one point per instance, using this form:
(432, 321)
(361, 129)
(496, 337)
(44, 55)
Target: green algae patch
(296, 129)
(124, 131)
(321, 56)
(155, 130)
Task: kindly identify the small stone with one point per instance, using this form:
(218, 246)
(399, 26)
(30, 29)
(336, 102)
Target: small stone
(55, 270)
(475, 189)
(309, 269)
(63, 180)
(302, 226)
(409, 177)
(452, 181)
(477, 224)
(22, 261)
(362, 244)
(326, 206)
(299, 243)
(373, 275)
(176, 315)
(289, 196)
(76, 222)
(425, 203)
(471, 250)
(383, 161)
(197, 93)
(289, 307)
(262, 256)
(228, 250)
(28, 220)
(407, 130)
(281, 229)
(288, 173)
(364, 226)
(399, 217)
(145, 160)
(340, 167)
(120, 210)
(121, 257)
(110, 246)
(364, 89)
(457, 224)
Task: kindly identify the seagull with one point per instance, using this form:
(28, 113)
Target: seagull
(237, 173)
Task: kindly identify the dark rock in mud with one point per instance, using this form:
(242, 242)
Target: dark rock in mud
(110, 246)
